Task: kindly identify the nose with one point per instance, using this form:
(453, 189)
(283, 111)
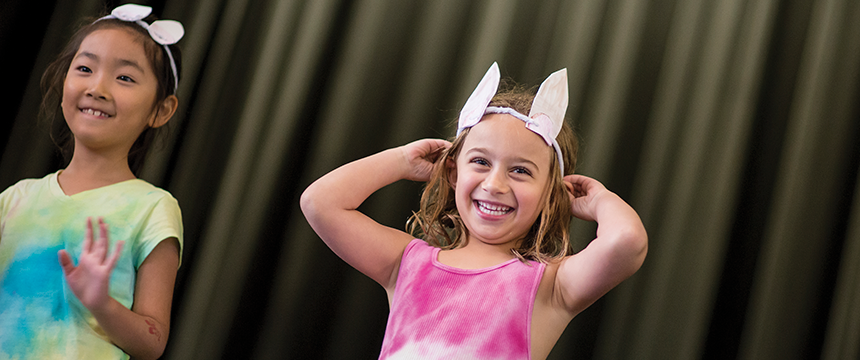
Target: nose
(496, 182)
(98, 87)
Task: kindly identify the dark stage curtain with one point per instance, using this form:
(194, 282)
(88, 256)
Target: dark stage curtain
(732, 126)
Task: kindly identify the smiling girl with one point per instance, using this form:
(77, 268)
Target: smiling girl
(63, 293)
(494, 276)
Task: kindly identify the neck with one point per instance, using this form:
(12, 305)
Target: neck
(477, 254)
(89, 170)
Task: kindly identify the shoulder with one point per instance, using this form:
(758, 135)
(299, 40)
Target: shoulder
(146, 189)
(413, 256)
(418, 245)
(25, 188)
(415, 250)
(145, 193)
(26, 185)
(158, 215)
(147, 205)
(149, 195)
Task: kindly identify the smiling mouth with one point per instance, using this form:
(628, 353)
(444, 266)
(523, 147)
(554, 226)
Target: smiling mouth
(95, 113)
(494, 210)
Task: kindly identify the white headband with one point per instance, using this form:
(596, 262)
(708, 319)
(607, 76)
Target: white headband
(163, 32)
(545, 118)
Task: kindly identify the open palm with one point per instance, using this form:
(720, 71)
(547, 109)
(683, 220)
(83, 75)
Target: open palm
(90, 279)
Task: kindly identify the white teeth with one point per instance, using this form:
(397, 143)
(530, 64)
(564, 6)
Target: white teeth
(490, 209)
(95, 112)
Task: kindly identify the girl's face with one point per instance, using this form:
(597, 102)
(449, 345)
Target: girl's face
(109, 91)
(501, 173)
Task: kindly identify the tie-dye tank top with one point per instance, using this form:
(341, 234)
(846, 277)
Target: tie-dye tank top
(443, 312)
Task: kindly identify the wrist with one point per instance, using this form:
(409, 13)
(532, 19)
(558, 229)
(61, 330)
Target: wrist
(103, 308)
(602, 201)
(403, 166)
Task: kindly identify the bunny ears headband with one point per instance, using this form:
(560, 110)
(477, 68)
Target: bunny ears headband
(545, 118)
(164, 32)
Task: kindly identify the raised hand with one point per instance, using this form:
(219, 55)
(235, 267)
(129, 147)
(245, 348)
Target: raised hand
(583, 194)
(90, 279)
(421, 155)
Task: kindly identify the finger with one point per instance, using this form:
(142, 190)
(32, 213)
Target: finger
(115, 256)
(103, 230)
(568, 186)
(436, 147)
(441, 144)
(65, 261)
(583, 185)
(575, 189)
(101, 244)
(88, 236)
(574, 178)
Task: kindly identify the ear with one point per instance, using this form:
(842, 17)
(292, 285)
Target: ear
(452, 173)
(165, 111)
(476, 105)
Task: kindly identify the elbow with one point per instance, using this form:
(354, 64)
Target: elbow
(154, 351)
(309, 202)
(633, 242)
(155, 348)
(316, 207)
(155, 354)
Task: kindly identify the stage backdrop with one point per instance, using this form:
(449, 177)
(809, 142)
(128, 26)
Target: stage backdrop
(732, 127)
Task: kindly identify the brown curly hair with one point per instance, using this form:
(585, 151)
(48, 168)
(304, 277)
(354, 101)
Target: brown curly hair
(438, 222)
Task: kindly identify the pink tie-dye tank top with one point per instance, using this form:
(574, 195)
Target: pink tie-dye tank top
(443, 312)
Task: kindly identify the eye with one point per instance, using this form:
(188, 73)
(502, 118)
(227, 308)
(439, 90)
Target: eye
(83, 68)
(480, 161)
(125, 78)
(522, 170)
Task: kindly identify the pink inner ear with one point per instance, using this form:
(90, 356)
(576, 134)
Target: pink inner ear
(551, 100)
(542, 125)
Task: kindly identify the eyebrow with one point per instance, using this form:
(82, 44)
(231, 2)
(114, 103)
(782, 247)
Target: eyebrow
(89, 55)
(121, 62)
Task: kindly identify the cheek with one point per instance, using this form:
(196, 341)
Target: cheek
(460, 193)
(467, 183)
(137, 105)
(67, 100)
(68, 92)
(463, 189)
(533, 199)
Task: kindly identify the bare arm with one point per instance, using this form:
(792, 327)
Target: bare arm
(142, 331)
(330, 204)
(614, 255)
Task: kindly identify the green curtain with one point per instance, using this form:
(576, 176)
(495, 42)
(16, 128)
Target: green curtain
(732, 127)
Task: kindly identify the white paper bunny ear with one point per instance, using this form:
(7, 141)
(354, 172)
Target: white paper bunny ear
(166, 32)
(547, 112)
(131, 12)
(549, 106)
(163, 32)
(474, 109)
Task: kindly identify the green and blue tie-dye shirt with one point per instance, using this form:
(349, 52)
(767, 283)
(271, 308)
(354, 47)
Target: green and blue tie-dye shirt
(40, 317)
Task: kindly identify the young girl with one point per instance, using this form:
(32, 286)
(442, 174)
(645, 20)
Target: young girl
(63, 293)
(493, 277)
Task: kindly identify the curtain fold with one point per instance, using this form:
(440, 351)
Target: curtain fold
(798, 260)
(732, 127)
(29, 151)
